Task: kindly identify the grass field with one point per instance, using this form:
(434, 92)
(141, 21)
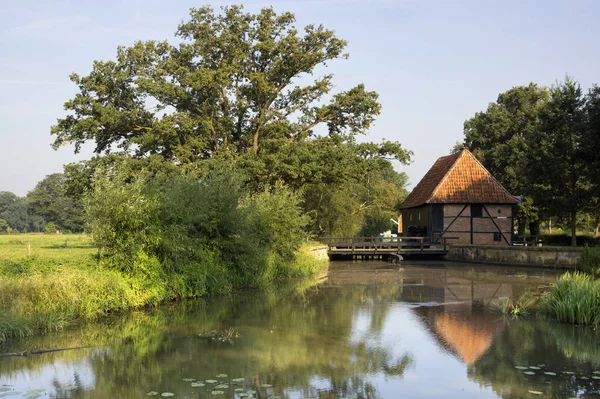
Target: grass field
(46, 246)
(56, 286)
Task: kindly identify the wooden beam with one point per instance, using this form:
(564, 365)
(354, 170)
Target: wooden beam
(495, 224)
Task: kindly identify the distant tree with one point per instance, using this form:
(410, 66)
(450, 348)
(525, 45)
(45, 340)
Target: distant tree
(3, 226)
(556, 160)
(50, 201)
(17, 217)
(457, 148)
(499, 138)
(6, 199)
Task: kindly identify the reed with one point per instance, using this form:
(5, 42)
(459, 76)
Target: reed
(574, 298)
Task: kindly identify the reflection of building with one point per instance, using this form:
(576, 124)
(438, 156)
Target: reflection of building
(466, 334)
(458, 198)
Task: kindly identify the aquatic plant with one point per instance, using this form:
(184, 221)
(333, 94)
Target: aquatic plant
(574, 298)
(526, 304)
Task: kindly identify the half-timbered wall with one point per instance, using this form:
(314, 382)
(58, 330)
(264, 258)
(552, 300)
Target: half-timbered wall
(484, 224)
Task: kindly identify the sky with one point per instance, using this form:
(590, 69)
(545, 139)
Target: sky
(434, 63)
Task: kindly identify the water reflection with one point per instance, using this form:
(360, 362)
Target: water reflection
(371, 330)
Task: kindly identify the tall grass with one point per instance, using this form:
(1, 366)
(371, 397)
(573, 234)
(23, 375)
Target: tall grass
(589, 262)
(574, 298)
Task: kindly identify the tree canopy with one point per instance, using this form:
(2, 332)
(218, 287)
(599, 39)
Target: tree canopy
(233, 82)
(542, 143)
(244, 91)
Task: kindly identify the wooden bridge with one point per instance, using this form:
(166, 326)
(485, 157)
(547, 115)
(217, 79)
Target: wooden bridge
(386, 247)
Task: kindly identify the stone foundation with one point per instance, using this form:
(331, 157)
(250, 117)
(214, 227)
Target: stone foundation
(563, 257)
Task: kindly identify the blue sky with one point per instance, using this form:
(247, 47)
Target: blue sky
(434, 63)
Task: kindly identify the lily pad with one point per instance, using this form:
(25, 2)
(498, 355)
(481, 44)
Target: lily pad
(222, 386)
(596, 377)
(595, 372)
(239, 389)
(534, 367)
(167, 394)
(568, 372)
(71, 387)
(221, 375)
(584, 378)
(266, 385)
(242, 379)
(152, 393)
(198, 384)
(211, 381)
(529, 372)
(250, 392)
(549, 373)
(217, 392)
(535, 392)
(521, 367)
(243, 395)
(189, 379)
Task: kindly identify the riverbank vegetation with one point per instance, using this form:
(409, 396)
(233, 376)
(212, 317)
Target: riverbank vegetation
(217, 155)
(574, 298)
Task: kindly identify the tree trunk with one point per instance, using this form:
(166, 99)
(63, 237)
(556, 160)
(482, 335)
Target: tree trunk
(255, 142)
(596, 230)
(521, 227)
(534, 228)
(574, 228)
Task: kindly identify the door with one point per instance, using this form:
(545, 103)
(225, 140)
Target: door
(437, 220)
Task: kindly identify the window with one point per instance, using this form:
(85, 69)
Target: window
(476, 210)
(419, 215)
(497, 237)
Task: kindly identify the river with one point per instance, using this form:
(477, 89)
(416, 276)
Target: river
(423, 329)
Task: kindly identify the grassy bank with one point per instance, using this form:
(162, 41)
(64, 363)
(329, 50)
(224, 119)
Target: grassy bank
(56, 287)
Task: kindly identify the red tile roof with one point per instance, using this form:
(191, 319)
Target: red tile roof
(458, 179)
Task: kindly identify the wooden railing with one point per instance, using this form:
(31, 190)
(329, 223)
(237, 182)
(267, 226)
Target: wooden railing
(385, 244)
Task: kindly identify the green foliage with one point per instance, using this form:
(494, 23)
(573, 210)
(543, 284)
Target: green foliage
(589, 262)
(500, 136)
(4, 226)
(50, 201)
(200, 235)
(574, 298)
(542, 144)
(229, 93)
(231, 83)
(50, 228)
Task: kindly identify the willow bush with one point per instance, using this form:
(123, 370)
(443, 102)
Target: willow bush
(197, 235)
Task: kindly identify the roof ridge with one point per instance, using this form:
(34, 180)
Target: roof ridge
(492, 176)
(443, 180)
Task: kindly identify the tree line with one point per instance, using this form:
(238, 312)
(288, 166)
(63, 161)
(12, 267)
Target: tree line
(47, 208)
(543, 144)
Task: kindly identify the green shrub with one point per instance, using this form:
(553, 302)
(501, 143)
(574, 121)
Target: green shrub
(574, 298)
(199, 235)
(589, 262)
(50, 228)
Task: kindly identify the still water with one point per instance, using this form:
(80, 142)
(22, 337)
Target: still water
(369, 330)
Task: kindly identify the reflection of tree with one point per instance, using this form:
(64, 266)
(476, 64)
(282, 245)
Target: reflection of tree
(287, 341)
(532, 342)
